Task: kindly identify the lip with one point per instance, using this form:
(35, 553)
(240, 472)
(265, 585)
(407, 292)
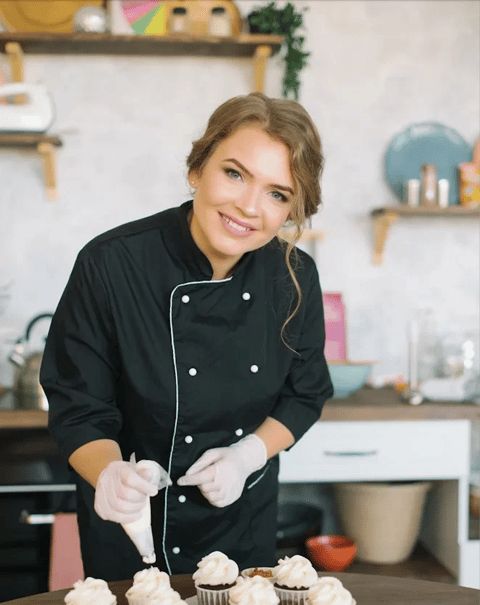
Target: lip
(231, 229)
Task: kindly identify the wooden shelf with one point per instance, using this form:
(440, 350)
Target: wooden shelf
(421, 565)
(244, 45)
(28, 140)
(384, 217)
(45, 146)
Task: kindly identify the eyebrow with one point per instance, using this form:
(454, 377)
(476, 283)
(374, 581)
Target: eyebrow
(274, 185)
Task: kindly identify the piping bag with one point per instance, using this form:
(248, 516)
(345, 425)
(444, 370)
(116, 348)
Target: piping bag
(140, 531)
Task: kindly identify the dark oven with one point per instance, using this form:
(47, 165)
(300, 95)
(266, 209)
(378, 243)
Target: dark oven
(35, 483)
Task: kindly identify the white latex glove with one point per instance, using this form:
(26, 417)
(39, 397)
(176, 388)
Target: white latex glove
(220, 473)
(121, 492)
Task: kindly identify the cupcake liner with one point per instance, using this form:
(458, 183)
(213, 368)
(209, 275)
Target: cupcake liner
(206, 596)
(291, 597)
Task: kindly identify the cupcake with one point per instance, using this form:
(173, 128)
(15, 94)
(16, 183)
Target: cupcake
(329, 591)
(216, 573)
(252, 591)
(293, 577)
(90, 590)
(152, 587)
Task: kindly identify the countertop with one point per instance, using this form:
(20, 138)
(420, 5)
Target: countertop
(365, 405)
(366, 589)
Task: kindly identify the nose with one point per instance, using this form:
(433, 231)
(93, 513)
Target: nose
(249, 202)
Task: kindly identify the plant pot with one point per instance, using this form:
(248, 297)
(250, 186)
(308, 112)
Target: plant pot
(383, 518)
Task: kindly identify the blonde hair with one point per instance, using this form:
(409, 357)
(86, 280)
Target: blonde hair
(288, 122)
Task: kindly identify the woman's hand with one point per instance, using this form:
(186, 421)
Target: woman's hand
(121, 492)
(220, 473)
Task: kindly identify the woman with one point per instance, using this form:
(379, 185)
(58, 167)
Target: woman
(195, 338)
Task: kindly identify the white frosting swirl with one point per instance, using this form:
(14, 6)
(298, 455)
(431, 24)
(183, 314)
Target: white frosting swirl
(216, 568)
(295, 572)
(329, 591)
(149, 583)
(90, 590)
(252, 591)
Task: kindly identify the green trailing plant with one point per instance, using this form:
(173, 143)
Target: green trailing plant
(285, 21)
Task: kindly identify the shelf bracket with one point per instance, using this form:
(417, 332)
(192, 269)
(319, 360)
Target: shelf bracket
(260, 58)
(381, 225)
(15, 54)
(47, 151)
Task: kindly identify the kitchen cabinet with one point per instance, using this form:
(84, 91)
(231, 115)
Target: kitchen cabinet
(400, 450)
(384, 217)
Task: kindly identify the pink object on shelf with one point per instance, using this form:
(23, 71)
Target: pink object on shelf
(335, 330)
(66, 565)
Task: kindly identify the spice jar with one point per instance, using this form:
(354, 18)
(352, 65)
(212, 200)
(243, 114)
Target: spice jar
(178, 22)
(219, 23)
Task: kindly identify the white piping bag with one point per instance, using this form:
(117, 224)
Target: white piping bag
(140, 531)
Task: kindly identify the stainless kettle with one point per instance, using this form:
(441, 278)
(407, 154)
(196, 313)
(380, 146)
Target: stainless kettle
(27, 390)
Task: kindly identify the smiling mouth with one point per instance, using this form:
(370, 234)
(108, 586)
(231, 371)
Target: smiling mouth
(234, 225)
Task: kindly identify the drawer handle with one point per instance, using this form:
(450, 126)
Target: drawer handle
(29, 519)
(351, 453)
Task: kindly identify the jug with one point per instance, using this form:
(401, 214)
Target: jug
(27, 391)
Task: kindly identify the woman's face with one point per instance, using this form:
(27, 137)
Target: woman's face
(243, 196)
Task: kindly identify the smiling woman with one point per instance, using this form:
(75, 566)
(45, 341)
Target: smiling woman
(194, 338)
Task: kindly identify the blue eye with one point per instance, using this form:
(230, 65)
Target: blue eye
(281, 197)
(233, 174)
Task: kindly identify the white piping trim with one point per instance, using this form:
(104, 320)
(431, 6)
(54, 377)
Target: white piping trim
(258, 478)
(191, 283)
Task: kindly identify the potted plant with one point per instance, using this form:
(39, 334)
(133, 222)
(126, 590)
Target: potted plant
(285, 21)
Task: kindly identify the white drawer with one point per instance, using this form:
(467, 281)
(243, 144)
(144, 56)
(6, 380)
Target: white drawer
(379, 451)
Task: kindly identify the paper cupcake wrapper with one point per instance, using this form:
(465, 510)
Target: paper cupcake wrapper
(212, 597)
(291, 597)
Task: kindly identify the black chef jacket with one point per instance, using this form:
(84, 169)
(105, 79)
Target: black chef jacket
(146, 349)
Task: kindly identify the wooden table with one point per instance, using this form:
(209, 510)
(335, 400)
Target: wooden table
(366, 589)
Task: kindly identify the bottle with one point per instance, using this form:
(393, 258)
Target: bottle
(442, 193)
(412, 192)
(178, 22)
(428, 189)
(219, 23)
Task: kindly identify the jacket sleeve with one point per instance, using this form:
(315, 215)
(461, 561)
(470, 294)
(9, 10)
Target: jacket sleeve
(80, 363)
(308, 383)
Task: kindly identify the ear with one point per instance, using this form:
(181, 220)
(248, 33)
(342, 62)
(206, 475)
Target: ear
(192, 179)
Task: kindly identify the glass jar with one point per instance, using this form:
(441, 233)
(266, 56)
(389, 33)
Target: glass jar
(219, 24)
(178, 22)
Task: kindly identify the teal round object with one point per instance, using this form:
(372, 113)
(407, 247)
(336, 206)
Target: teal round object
(348, 378)
(426, 143)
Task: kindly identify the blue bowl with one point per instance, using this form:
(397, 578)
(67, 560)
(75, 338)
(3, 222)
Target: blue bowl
(348, 377)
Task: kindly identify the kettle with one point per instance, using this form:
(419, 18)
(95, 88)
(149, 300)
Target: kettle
(27, 390)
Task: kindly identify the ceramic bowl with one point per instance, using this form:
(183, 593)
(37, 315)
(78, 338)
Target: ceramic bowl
(348, 376)
(331, 553)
